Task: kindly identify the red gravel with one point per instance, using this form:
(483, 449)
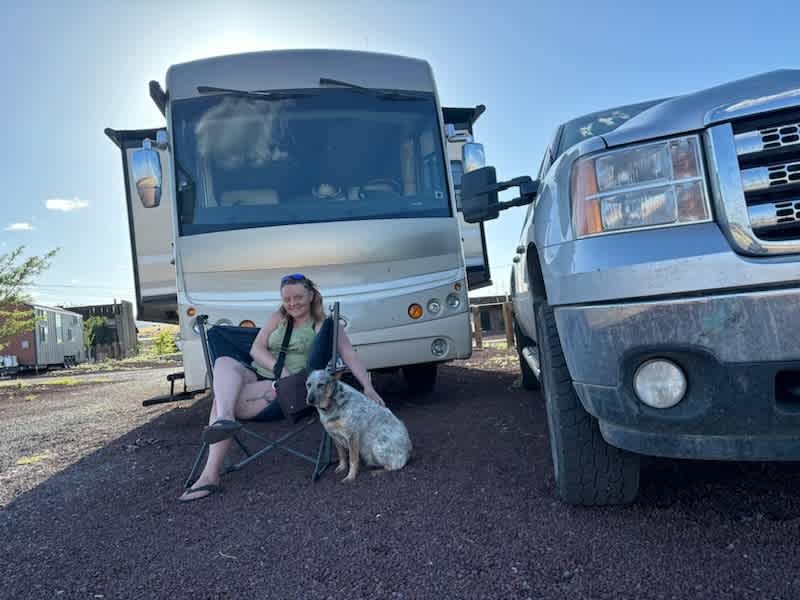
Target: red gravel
(472, 516)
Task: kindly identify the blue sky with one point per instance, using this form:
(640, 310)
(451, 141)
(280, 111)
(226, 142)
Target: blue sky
(72, 69)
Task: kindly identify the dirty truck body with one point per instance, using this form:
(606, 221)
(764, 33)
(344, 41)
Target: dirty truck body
(333, 164)
(656, 283)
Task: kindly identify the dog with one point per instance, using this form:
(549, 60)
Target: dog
(358, 426)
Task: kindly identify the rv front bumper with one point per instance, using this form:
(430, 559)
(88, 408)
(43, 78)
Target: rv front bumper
(739, 352)
(385, 348)
(415, 342)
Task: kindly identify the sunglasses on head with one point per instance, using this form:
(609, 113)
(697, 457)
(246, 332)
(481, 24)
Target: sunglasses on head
(293, 277)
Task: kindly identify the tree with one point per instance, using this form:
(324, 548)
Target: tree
(164, 343)
(15, 274)
(97, 332)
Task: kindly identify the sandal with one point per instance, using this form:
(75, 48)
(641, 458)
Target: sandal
(210, 488)
(220, 430)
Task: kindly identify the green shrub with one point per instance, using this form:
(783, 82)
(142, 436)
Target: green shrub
(164, 343)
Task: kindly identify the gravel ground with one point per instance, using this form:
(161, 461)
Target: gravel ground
(472, 516)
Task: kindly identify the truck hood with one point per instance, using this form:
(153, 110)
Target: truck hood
(692, 112)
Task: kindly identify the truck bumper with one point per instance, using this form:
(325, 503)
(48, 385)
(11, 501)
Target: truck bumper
(741, 356)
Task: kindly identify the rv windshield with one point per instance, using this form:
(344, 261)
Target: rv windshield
(325, 155)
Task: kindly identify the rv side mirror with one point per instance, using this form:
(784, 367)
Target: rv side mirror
(472, 156)
(479, 195)
(146, 169)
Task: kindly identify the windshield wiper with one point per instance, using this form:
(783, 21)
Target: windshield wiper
(383, 94)
(259, 94)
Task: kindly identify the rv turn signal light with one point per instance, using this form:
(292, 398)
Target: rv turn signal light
(191, 311)
(415, 311)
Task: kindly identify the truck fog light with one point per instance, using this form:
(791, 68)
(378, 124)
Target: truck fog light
(434, 306)
(453, 301)
(439, 347)
(659, 383)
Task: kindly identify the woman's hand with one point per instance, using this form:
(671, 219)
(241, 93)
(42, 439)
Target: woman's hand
(374, 396)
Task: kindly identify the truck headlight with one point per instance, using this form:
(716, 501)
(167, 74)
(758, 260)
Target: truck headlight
(652, 185)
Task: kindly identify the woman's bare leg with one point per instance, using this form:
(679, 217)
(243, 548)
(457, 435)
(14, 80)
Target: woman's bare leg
(230, 377)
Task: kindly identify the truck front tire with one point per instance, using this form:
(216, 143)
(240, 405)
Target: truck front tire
(588, 470)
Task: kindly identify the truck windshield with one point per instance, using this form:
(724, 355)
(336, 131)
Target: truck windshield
(598, 123)
(325, 155)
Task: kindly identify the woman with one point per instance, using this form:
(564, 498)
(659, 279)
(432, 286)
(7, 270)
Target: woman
(247, 393)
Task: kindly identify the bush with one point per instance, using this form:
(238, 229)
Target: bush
(164, 343)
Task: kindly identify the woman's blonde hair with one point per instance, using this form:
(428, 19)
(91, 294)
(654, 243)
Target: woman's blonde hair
(317, 310)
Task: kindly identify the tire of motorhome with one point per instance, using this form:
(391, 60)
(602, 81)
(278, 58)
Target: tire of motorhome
(420, 378)
(529, 381)
(588, 471)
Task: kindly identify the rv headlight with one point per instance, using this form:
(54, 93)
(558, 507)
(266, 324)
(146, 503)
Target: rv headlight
(651, 185)
(453, 301)
(434, 306)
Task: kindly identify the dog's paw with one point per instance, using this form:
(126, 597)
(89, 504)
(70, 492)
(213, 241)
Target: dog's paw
(349, 479)
(341, 468)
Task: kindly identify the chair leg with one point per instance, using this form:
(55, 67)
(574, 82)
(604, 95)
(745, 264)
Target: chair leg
(242, 446)
(196, 466)
(326, 451)
(324, 456)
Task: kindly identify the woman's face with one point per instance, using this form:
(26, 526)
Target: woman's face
(296, 300)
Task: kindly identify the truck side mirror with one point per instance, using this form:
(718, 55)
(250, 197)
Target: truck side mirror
(479, 195)
(146, 170)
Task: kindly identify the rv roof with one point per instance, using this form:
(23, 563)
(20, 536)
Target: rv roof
(299, 69)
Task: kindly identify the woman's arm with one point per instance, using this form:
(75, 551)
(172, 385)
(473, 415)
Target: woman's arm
(259, 350)
(351, 359)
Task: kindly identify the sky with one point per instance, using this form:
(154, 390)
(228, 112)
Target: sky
(74, 68)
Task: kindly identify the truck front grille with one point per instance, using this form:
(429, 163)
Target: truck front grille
(768, 150)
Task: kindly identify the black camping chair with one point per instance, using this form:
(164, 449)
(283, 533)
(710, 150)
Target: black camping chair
(224, 340)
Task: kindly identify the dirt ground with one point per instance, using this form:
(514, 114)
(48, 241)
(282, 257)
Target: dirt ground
(89, 480)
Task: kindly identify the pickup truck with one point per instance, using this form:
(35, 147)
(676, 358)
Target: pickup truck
(656, 282)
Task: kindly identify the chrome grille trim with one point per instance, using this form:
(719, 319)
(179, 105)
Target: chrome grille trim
(774, 214)
(755, 179)
(769, 138)
(731, 203)
(763, 178)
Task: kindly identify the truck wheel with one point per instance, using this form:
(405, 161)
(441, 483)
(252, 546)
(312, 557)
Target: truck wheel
(420, 378)
(588, 470)
(529, 381)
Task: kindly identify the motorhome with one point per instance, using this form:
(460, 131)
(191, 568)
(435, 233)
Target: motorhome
(333, 164)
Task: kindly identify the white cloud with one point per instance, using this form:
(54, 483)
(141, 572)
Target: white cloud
(19, 227)
(65, 204)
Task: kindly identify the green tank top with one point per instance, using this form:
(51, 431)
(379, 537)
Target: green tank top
(296, 353)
